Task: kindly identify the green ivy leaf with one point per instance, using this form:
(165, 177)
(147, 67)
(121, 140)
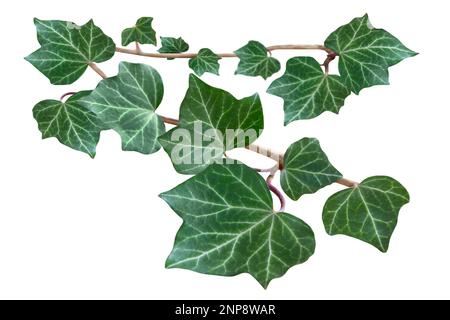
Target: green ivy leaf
(173, 45)
(368, 212)
(307, 91)
(142, 32)
(127, 102)
(229, 226)
(67, 49)
(254, 60)
(216, 111)
(306, 169)
(365, 53)
(205, 61)
(73, 125)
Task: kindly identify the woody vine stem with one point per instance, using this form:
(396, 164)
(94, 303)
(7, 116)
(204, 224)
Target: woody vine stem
(331, 55)
(224, 206)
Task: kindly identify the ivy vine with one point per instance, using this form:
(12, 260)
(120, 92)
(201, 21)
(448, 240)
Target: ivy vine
(229, 225)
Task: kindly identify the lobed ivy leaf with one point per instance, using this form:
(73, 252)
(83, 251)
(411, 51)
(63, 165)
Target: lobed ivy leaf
(127, 102)
(211, 121)
(69, 122)
(205, 61)
(368, 212)
(306, 169)
(254, 60)
(229, 226)
(307, 91)
(67, 49)
(365, 53)
(142, 32)
(173, 45)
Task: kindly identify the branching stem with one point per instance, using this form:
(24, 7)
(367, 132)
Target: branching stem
(139, 52)
(269, 153)
(330, 57)
(252, 147)
(98, 70)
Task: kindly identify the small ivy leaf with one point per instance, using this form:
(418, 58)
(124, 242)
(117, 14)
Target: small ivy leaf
(67, 49)
(307, 91)
(69, 122)
(254, 60)
(368, 212)
(127, 102)
(142, 32)
(205, 61)
(365, 53)
(306, 169)
(173, 45)
(229, 226)
(211, 121)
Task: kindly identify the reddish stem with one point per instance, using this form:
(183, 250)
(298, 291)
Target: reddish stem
(169, 120)
(330, 57)
(276, 192)
(66, 94)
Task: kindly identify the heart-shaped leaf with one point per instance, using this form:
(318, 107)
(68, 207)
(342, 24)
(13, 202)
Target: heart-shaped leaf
(67, 49)
(306, 169)
(173, 45)
(307, 91)
(69, 122)
(365, 53)
(205, 61)
(127, 102)
(142, 32)
(212, 121)
(368, 212)
(229, 226)
(254, 60)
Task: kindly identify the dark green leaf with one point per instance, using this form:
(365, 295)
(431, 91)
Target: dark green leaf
(365, 53)
(208, 112)
(173, 45)
(205, 61)
(229, 226)
(307, 91)
(73, 125)
(254, 60)
(67, 49)
(127, 102)
(306, 169)
(368, 212)
(142, 32)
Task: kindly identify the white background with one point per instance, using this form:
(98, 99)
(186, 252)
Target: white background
(72, 227)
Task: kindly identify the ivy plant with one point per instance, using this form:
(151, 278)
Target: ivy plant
(230, 225)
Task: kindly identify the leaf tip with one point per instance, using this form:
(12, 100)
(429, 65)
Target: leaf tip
(265, 285)
(168, 264)
(287, 120)
(163, 195)
(193, 79)
(36, 21)
(384, 249)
